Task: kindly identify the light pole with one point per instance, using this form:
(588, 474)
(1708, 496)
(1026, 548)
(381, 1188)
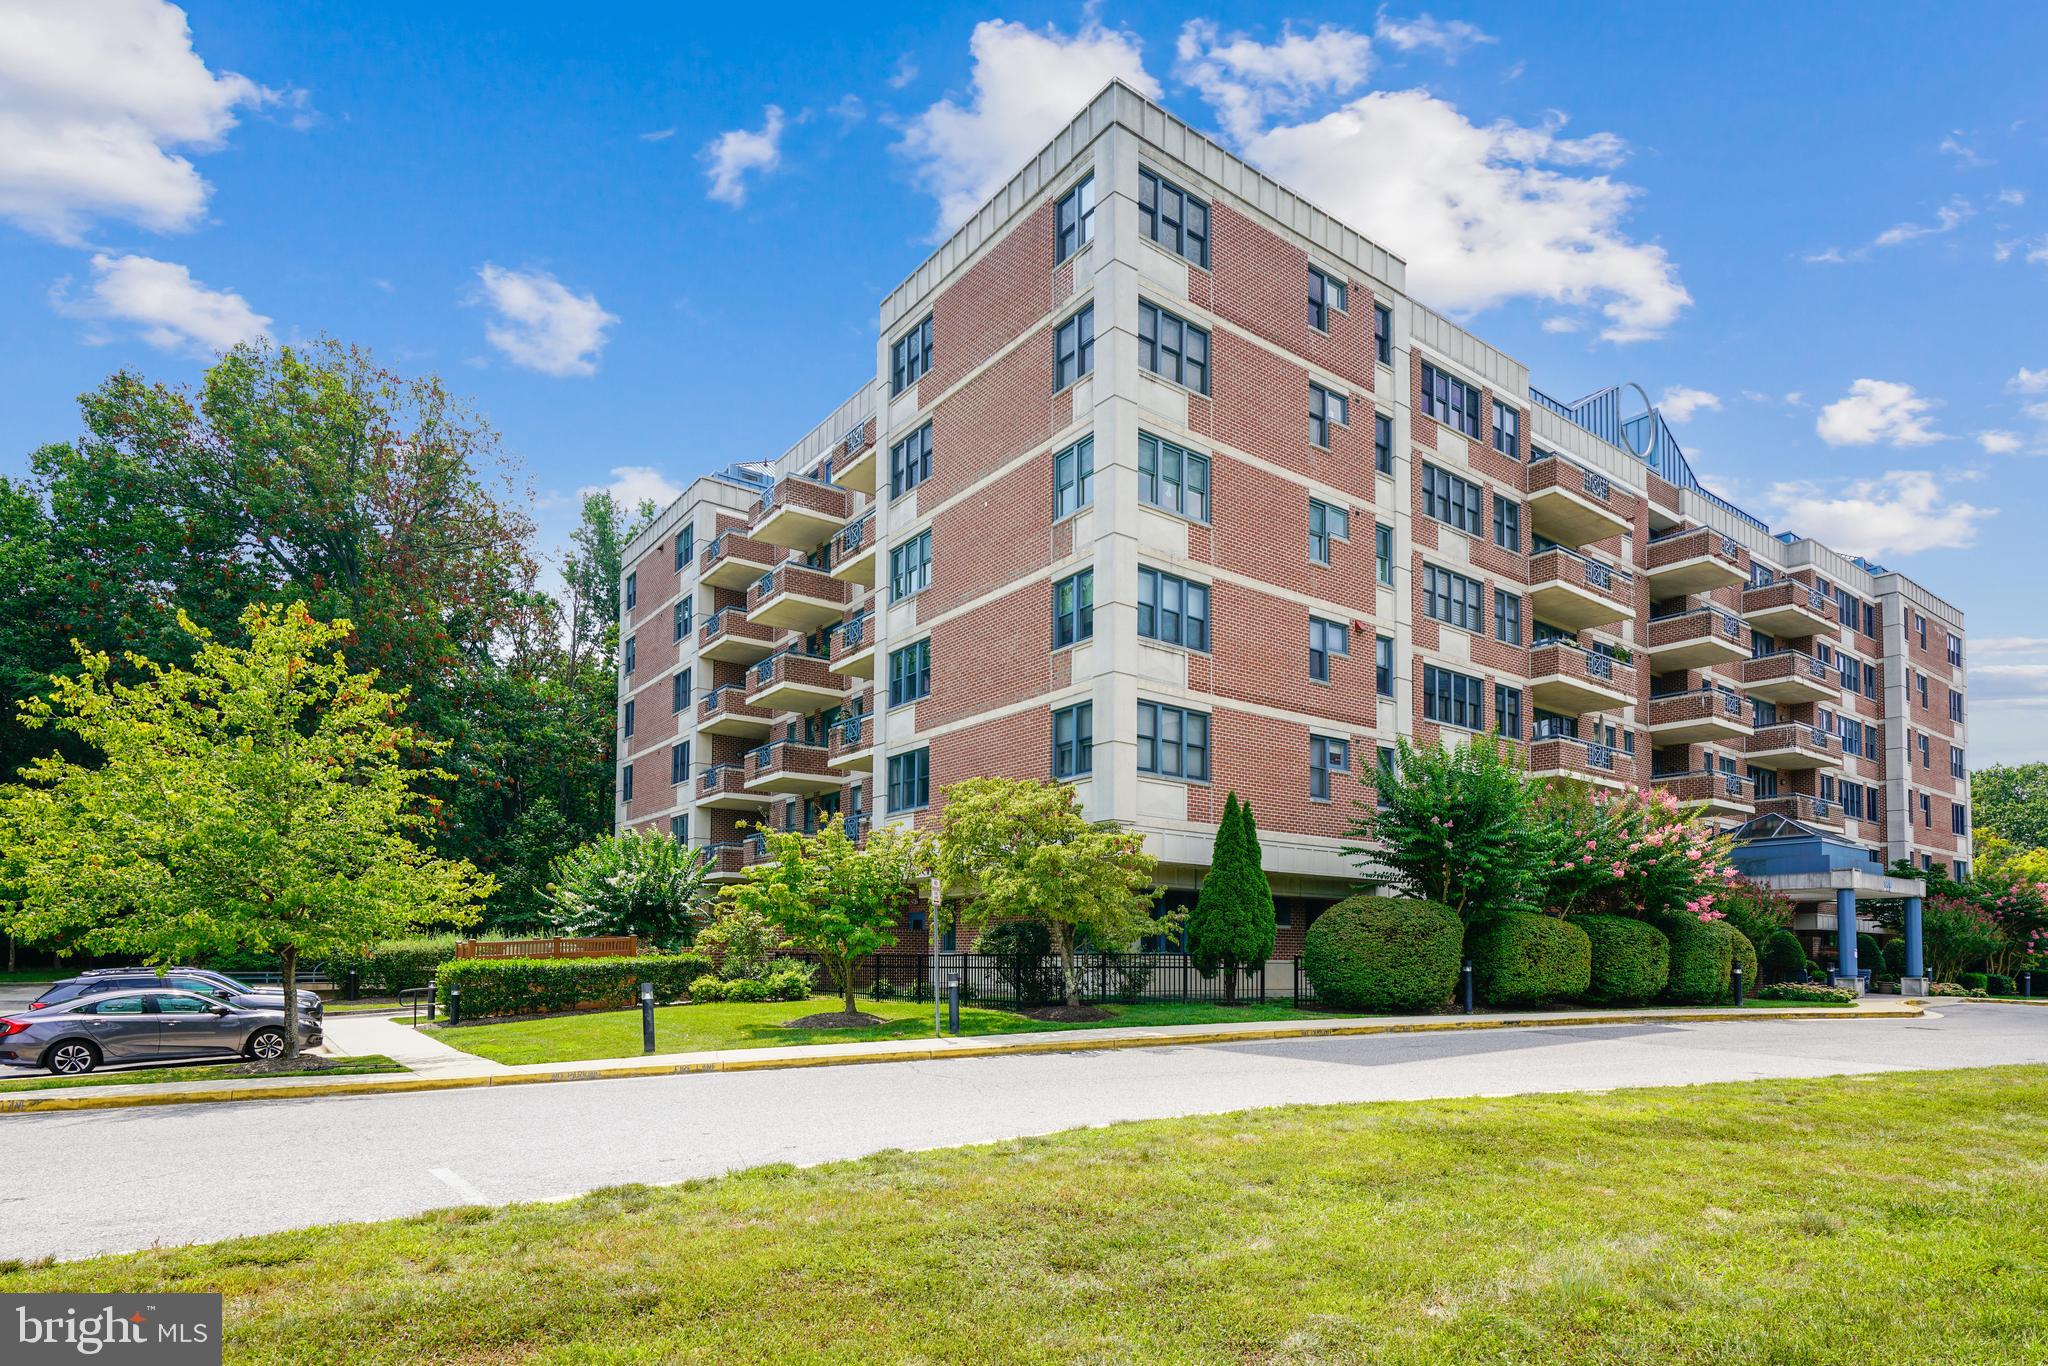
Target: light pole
(931, 924)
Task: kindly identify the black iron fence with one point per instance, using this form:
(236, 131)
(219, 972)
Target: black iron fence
(1024, 980)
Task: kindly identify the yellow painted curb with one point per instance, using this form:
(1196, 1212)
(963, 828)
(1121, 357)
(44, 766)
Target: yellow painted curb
(1077, 1042)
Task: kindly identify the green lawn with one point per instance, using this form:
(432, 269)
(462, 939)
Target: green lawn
(40, 1081)
(1893, 1217)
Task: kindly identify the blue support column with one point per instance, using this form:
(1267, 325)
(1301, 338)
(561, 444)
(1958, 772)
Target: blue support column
(1845, 932)
(1915, 964)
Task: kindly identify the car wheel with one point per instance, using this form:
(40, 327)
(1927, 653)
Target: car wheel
(266, 1045)
(73, 1059)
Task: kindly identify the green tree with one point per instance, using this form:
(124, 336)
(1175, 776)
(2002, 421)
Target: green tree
(592, 571)
(263, 800)
(1452, 825)
(1020, 849)
(831, 897)
(1231, 926)
(639, 883)
(1758, 912)
(2011, 800)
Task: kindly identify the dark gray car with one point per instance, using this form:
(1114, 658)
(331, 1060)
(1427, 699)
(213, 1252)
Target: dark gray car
(76, 1036)
(205, 981)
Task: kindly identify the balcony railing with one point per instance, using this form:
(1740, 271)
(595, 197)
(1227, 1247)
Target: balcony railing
(723, 780)
(1558, 754)
(1801, 807)
(1789, 608)
(854, 537)
(1573, 505)
(1707, 787)
(1793, 739)
(728, 703)
(1575, 591)
(803, 764)
(1697, 713)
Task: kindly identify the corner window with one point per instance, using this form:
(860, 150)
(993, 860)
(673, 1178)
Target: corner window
(1326, 524)
(1173, 218)
(1073, 478)
(1326, 756)
(1325, 410)
(910, 780)
(1073, 741)
(910, 356)
(1073, 609)
(1171, 478)
(1325, 638)
(1074, 220)
(1172, 610)
(1073, 348)
(1173, 348)
(1326, 295)
(910, 566)
(910, 461)
(1173, 742)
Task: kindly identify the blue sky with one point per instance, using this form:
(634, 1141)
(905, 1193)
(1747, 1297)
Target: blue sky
(649, 240)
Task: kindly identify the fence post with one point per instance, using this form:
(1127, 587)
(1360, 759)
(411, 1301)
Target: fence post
(1262, 983)
(876, 959)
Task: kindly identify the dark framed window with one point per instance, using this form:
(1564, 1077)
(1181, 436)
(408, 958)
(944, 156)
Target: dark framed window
(910, 780)
(1173, 742)
(1326, 756)
(1955, 646)
(1383, 553)
(679, 763)
(1451, 401)
(685, 610)
(626, 721)
(1073, 609)
(1326, 295)
(1383, 665)
(1173, 348)
(1958, 818)
(910, 673)
(1074, 220)
(1073, 348)
(1507, 523)
(632, 591)
(1453, 699)
(1172, 609)
(1383, 333)
(686, 547)
(626, 783)
(1325, 638)
(1955, 705)
(1326, 524)
(910, 566)
(1453, 598)
(910, 356)
(1955, 762)
(1325, 410)
(910, 461)
(1450, 499)
(632, 652)
(1507, 711)
(1073, 740)
(679, 691)
(1507, 431)
(1383, 443)
(1073, 478)
(1173, 218)
(1172, 478)
(1507, 617)
(679, 828)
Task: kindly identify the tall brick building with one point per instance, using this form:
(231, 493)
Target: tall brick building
(1164, 486)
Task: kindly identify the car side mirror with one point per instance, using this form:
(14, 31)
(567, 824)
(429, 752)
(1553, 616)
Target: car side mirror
(218, 1010)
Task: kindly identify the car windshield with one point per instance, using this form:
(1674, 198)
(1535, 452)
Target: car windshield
(230, 983)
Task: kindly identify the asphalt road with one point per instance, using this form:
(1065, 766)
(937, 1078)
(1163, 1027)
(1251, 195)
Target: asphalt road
(118, 1180)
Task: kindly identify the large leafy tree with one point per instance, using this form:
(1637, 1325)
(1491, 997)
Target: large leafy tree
(1632, 854)
(263, 799)
(2011, 801)
(1452, 825)
(1020, 849)
(593, 568)
(1232, 925)
(638, 883)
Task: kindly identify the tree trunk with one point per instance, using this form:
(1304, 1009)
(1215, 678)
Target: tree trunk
(290, 958)
(1067, 977)
(1229, 966)
(846, 984)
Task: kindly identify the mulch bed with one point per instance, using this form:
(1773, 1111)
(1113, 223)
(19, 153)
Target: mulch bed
(1068, 1014)
(835, 1019)
(305, 1062)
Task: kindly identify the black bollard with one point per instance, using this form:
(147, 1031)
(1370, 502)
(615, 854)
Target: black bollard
(953, 1002)
(1738, 986)
(647, 1017)
(433, 992)
(355, 985)
(1465, 985)
(2027, 984)
(455, 1005)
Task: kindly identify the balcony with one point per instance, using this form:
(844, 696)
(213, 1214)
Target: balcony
(724, 786)
(792, 768)
(725, 711)
(727, 635)
(1790, 745)
(1569, 590)
(853, 646)
(853, 551)
(1789, 608)
(1565, 678)
(796, 682)
(1573, 506)
(1702, 638)
(736, 561)
(796, 598)
(854, 466)
(1695, 561)
(728, 860)
(1701, 716)
(853, 742)
(1790, 677)
(799, 514)
(1800, 807)
(1562, 756)
(1725, 796)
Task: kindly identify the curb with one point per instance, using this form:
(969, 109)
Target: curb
(850, 1055)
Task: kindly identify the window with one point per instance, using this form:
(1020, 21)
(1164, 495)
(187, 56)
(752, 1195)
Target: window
(679, 691)
(626, 783)
(1450, 499)
(1852, 799)
(1074, 220)
(1507, 616)
(1073, 609)
(1173, 218)
(1955, 705)
(1852, 673)
(632, 652)
(1173, 348)
(1453, 699)
(1073, 741)
(1507, 431)
(1171, 478)
(1851, 731)
(1383, 553)
(1870, 629)
(910, 673)
(1325, 638)
(1955, 649)
(686, 543)
(1507, 523)
(1920, 625)
(1450, 401)
(910, 566)
(1955, 762)
(1383, 665)
(632, 591)
(1923, 690)
(1326, 524)
(1325, 408)
(1326, 294)
(1173, 742)
(1453, 598)
(1925, 761)
(1926, 811)
(626, 725)
(1326, 756)
(910, 356)
(1172, 609)
(685, 607)
(1958, 819)
(1507, 711)
(910, 780)
(1073, 348)
(1073, 478)
(1383, 333)
(679, 829)
(1383, 443)
(910, 461)
(679, 762)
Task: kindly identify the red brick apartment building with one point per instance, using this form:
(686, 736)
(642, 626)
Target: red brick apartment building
(1162, 485)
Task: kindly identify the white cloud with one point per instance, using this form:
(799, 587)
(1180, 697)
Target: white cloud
(1876, 411)
(2037, 411)
(1563, 324)
(1679, 403)
(168, 308)
(1027, 84)
(1999, 442)
(2005, 645)
(2029, 381)
(1795, 399)
(1248, 82)
(95, 98)
(2010, 198)
(849, 109)
(538, 323)
(1832, 256)
(1448, 38)
(1965, 155)
(658, 135)
(905, 72)
(1481, 214)
(1899, 512)
(731, 156)
(632, 485)
(1947, 218)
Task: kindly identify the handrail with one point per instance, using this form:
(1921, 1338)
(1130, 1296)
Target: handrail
(1600, 565)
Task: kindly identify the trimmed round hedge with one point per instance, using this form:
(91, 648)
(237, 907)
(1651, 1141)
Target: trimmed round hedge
(1869, 955)
(1520, 958)
(1631, 960)
(1783, 959)
(1703, 952)
(1383, 953)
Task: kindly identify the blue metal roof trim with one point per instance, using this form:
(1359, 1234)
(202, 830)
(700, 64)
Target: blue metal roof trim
(1600, 413)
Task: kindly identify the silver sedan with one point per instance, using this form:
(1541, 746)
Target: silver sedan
(144, 1026)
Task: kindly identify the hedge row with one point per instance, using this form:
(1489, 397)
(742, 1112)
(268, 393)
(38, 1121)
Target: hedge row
(1383, 954)
(1524, 959)
(524, 986)
(395, 965)
(1631, 959)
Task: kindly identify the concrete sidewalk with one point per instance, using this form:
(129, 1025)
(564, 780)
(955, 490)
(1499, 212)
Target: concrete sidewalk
(439, 1067)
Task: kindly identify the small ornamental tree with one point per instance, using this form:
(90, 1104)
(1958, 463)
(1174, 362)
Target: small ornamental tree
(639, 883)
(831, 897)
(1451, 826)
(1636, 854)
(263, 800)
(1020, 849)
(1232, 927)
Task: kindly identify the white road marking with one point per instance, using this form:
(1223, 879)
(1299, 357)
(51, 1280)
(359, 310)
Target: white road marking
(455, 1181)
